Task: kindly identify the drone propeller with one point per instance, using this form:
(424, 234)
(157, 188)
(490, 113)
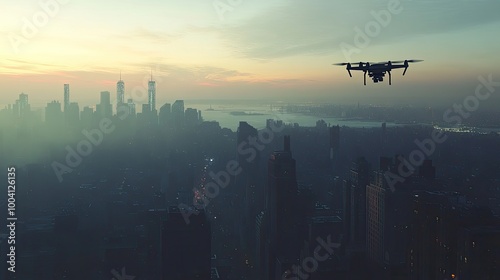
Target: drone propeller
(348, 68)
(408, 61)
(352, 63)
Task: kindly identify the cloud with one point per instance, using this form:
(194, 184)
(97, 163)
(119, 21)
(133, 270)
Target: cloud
(148, 36)
(318, 27)
(192, 74)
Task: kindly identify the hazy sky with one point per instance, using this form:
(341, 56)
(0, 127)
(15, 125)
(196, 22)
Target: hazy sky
(273, 49)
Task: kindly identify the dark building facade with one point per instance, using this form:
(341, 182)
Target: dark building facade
(283, 213)
(186, 248)
(452, 238)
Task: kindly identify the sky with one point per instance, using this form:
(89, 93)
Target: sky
(247, 49)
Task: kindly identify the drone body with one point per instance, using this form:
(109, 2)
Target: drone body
(377, 71)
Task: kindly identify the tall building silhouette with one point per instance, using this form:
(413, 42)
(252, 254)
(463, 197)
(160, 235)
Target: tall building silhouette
(191, 117)
(452, 236)
(72, 114)
(186, 248)
(23, 105)
(131, 107)
(283, 215)
(178, 113)
(388, 215)
(165, 115)
(178, 107)
(15, 109)
(144, 117)
(247, 189)
(87, 116)
(335, 149)
(120, 92)
(376, 223)
(152, 94)
(66, 97)
(359, 179)
(21, 108)
(105, 109)
(346, 206)
(53, 113)
(261, 246)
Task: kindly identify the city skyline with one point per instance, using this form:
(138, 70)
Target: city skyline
(278, 50)
(224, 139)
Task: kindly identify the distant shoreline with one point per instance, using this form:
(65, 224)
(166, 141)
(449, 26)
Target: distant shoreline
(241, 113)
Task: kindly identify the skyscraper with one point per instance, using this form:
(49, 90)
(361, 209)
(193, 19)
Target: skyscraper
(186, 248)
(23, 105)
(178, 113)
(105, 97)
(152, 94)
(105, 109)
(335, 149)
(120, 93)
(452, 236)
(262, 257)
(359, 179)
(376, 223)
(388, 212)
(191, 117)
(282, 206)
(147, 118)
(66, 97)
(72, 114)
(251, 197)
(87, 116)
(53, 113)
(131, 107)
(165, 115)
(146, 109)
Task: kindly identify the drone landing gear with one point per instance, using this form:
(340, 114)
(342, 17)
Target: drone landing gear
(390, 78)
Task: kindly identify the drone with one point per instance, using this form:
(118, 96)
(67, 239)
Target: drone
(376, 71)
